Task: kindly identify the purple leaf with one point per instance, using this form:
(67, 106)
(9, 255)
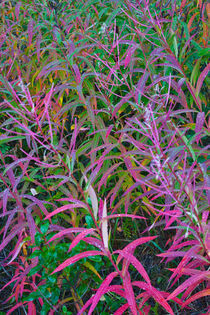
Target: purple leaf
(201, 78)
(19, 227)
(199, 124)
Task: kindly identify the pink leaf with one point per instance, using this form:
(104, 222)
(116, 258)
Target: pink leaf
(129, 53)
(85, 306)
(13, 233)
(17, 250)
(95, 242)
(77, 257)
(129, 293)
(17, 10)
(155, 294)
(196, 296)
(38, 42)
(103, 180)
(31, 224)
(79, 237)
(122, 309)
(38, 202)
(135, 262)
(66, 207)
(101, 290)
(31, 308)
(192, 280)
(66, 232)
(77, 73)
(130, 247)
(201, 79)
(109, 130)
(199, 124)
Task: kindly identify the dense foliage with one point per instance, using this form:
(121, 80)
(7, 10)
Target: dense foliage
(104, 186)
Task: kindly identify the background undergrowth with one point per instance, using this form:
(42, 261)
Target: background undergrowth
(104, 132)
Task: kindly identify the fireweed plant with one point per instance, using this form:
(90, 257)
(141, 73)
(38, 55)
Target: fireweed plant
(104, 150)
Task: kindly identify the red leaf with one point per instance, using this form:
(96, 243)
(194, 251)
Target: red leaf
(192, 280)
(66, 207)
(64, 232)
(130, 247)
(79, 237)
(135, 262)
(129, 293)
(101, 290)
(196, 296)
(15, 307)
(77, 257)
(12, 234)
(122, 309)
(155, 294)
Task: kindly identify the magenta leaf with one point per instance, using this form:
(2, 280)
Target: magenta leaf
(129, 294)
(70, 207)
(135, 262)
(66, 232)
(205, 292)
(204, 275)
(80, 237)
(77, 257)
(155, 294)
(201, 78)
(101, 290)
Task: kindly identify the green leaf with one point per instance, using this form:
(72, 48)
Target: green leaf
(89, 221)
(34, 270)
(45, 226)
(55, 295)
(9, 139)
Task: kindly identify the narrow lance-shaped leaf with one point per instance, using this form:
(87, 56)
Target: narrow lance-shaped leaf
(80, 237)
(205, 292)
(101, 290)
(135, 262)
(192, 280)
(77, 257)
(154, 293)
(93, 198)
(129, 293)
(66, 232)
(14, 232)
(66, 207)
(104, 227)
(201, 79)
(199, 124)
(121, 215)
(30, 31)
